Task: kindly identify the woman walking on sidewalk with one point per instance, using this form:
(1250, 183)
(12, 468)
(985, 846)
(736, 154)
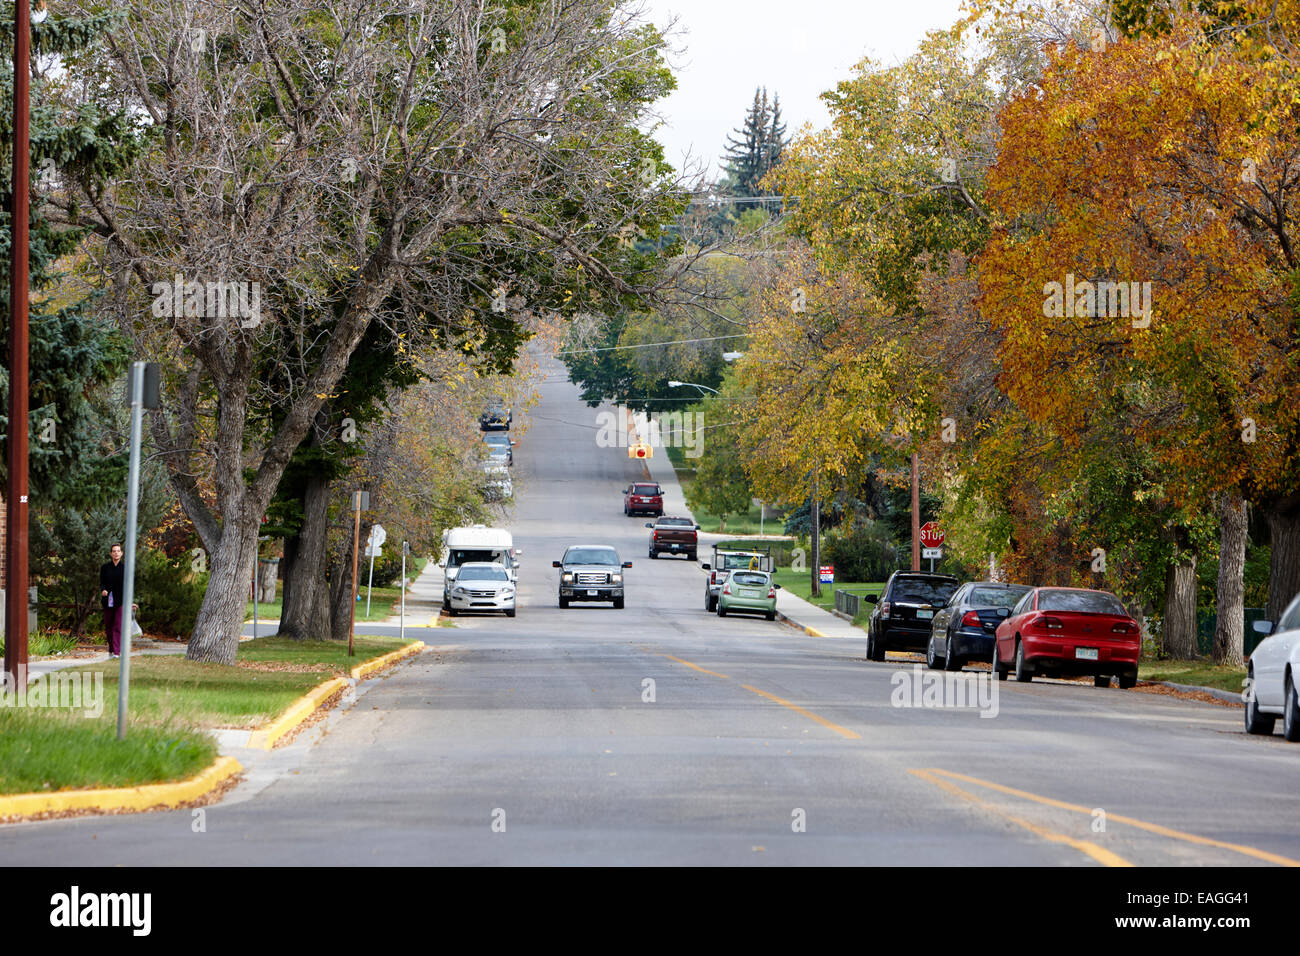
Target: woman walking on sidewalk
(111, 579)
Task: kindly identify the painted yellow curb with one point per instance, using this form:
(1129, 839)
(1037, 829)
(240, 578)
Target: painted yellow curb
(264, 738)
(122, 798)
(369, 667)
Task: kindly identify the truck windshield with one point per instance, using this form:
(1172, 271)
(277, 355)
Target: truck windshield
(459, 556)
(591, 556)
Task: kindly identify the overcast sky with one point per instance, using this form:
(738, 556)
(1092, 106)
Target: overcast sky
(796, 48)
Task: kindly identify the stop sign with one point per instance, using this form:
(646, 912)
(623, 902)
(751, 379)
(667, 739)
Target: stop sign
(931, 535)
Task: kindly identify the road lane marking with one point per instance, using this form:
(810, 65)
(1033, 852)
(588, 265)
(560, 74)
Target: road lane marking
(696, 667)
(1100, 854)
(830, 725)
(1117, 818)
(842, 731)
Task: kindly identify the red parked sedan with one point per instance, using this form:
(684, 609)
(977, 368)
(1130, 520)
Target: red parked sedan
(1064, 632)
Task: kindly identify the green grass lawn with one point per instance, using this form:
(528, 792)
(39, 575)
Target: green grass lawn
(1200, 673)
(798, 583)
(171, 701)
(384, 603)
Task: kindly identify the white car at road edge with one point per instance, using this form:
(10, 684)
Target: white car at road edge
(1273, 673)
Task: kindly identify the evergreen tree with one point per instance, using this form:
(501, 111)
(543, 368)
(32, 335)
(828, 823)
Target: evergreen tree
(754, 149)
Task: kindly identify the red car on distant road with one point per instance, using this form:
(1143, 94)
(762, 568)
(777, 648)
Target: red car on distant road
(643, 497)
(1064, 632)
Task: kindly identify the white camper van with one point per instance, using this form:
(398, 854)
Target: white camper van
(476, 543)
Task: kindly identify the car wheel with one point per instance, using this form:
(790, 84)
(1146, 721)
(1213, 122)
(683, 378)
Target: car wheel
(998, 668)
(690, 555)
(1257, 722)
(618, 604)
(452, 611)
(875, 648)
(932, 661)
(1023, 673)
(564, 602)
(722, 610)
(771, 615)
(1128, 681)
(510, 612)
(1101, 680)
(951, 662)
(653, 553)
(1291, 713)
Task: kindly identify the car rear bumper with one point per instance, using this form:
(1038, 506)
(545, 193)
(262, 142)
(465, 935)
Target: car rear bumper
(754, 605)
(904, 638)
(1060, 655)
(672, 547)
(971, 644)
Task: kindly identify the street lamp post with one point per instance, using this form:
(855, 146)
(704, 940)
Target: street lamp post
(702, 388)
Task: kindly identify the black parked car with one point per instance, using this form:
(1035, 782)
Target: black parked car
(905, 610)
(495, 417)
(963, 630)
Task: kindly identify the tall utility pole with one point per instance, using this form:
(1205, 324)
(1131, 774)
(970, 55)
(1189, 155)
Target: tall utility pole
(16, 502)
(815, 537)
(916, 512)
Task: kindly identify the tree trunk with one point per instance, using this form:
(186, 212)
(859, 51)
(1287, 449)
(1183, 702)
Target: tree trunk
(1179, 626)
(1231, 590)
(221, 617)
(1284, 555)
(307, 606)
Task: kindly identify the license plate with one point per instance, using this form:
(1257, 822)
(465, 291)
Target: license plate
(1085, 653)
(592, 593)
(676, 546)
(924, 615)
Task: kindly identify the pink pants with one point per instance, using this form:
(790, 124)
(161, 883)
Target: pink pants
(113, 628)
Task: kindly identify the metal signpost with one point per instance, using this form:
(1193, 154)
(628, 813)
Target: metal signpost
(377, 538)
(360, 502)
(406, 549)
(143, 393)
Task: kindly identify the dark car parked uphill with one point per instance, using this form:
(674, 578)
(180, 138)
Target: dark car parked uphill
(905, 610)
(963, 630)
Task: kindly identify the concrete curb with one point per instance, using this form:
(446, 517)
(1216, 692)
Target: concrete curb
(810, 631)
(361, 671)
(145, 797)
(264, 737)
(1224, 695)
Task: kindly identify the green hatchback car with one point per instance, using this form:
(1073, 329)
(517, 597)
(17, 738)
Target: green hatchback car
(752, 592)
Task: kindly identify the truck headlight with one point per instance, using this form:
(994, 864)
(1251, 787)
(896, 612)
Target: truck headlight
(617, 579)
(566, 577)
(461, 591)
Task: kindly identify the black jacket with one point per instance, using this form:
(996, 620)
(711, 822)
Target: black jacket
(111, 579)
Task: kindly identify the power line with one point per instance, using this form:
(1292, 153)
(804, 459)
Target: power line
(647, 345)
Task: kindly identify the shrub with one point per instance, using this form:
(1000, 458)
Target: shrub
(864, 554)
(169, 593)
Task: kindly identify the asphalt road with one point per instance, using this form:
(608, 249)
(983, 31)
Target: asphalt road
(536, 741)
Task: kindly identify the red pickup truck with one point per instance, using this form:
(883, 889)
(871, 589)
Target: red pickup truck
(672, 535)
(645, 497)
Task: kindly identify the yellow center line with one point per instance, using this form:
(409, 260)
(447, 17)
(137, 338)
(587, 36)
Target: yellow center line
(695, 667)
(1130, 821)
(842, 731)
(830, 725)
(1098, 853)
